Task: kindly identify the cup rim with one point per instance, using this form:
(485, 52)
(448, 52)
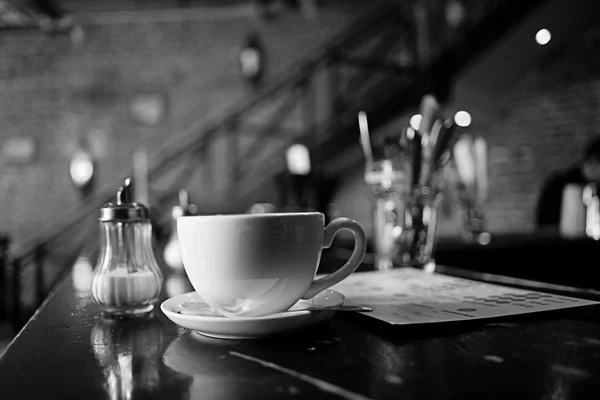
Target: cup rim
(258, 215)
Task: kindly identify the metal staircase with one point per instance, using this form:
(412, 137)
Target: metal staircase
(382, 64)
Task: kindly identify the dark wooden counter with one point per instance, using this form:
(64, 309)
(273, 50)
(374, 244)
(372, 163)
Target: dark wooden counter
(68, 351)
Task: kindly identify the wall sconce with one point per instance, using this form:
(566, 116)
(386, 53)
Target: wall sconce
(82, 171)
(252, 60)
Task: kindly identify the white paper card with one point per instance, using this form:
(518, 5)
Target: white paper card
(411, 296)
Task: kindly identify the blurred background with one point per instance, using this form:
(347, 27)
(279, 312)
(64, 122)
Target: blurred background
(250, 106)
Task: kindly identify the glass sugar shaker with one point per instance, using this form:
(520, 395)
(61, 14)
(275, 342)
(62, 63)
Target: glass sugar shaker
(127, 280)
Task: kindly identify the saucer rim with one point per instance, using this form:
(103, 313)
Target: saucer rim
(275, 316)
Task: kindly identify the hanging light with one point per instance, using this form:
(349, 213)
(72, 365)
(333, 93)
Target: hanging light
(172, 251)
(252, 59)
(298, 159)
(82, 274)
(81, 168)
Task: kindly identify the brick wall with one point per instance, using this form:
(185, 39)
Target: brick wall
(543, 130)
(58, 93)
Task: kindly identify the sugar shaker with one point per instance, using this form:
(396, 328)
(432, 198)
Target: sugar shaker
(127, 280)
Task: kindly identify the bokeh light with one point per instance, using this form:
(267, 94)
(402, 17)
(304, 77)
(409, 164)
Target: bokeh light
(415, 121)
(298, 159)
(462, 118)
(81, 168)
(543, 36)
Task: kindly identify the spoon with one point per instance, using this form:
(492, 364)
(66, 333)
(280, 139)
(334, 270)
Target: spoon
(192, 308)
(332, 308)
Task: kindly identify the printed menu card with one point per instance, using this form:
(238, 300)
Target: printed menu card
(411, 296)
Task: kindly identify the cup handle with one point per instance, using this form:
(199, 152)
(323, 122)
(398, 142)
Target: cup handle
(357, 256)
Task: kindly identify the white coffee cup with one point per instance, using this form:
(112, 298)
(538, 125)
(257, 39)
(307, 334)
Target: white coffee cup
(257, 264)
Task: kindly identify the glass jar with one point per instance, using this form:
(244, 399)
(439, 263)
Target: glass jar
(389, 185)
(127, 280)
(418, 239)
(591, 201)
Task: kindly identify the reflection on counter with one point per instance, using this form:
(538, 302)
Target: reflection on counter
(209, 363)
(128, 351)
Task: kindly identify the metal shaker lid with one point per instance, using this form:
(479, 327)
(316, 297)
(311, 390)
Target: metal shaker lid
(124, 209)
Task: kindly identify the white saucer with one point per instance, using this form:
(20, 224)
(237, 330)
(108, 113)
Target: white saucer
(211, 324)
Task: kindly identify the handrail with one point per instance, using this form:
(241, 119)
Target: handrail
(293, 76)
(191, 140)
